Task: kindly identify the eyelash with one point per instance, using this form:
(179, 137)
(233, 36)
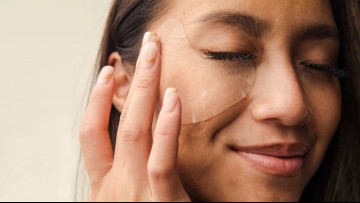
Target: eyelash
(334, 70)
(232, 56)
(228, 56)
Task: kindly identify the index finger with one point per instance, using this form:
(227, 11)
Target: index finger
(134, 134)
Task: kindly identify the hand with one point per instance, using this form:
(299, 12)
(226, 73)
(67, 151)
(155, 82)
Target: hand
(143, 167)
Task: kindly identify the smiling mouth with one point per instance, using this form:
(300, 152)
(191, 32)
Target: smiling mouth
(285, 160)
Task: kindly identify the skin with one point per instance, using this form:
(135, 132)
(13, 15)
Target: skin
(157, 159)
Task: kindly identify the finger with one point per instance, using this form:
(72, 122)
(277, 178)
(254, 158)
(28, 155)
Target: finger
(134, 135)
(163, 177)
(94, 137)
(148, 37)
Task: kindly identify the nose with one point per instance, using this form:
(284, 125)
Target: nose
(279, 96)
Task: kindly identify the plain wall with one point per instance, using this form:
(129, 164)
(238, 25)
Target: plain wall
(47, 52)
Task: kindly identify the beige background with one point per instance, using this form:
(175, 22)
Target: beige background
(47, 51)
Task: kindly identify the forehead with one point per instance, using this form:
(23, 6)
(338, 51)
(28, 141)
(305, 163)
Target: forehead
(280, 13)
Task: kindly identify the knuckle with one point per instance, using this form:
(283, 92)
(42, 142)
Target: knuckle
(86, 133)
(144, 81)
(131, 133)
(97, 94)
(158, 172)
(164, 131)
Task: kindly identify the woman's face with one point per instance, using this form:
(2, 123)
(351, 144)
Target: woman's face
(266, 143)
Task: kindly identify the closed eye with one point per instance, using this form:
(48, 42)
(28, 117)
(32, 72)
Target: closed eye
(338, 72)
(228, 56)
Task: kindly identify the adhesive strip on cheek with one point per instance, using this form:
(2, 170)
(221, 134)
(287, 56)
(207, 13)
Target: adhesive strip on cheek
(206, 87)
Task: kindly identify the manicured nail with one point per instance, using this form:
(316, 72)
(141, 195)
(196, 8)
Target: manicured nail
(150, 55)
(105, 75)
(149, 37)
(170, 99)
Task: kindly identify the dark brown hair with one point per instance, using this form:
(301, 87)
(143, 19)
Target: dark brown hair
(338, 177)
(127, 23)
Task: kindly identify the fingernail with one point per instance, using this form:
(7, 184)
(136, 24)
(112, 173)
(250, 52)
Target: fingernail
(150, 54)
(170, 99)
(149, 37)
(105, 75)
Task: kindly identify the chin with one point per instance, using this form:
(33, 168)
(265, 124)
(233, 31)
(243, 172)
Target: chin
(249, 195)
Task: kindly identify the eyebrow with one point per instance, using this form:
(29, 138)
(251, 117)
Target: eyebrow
(320, 31)
(249, 24)
(259, 28)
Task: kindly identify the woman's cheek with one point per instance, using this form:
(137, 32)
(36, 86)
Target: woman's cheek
(325, 102)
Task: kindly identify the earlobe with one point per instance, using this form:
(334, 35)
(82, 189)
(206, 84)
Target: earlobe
(122, 81)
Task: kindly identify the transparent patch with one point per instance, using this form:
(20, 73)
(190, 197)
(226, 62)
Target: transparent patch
(209, 81)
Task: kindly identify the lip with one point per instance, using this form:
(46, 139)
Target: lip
(280, 159)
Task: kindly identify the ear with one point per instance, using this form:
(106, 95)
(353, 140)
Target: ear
(122, 81)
